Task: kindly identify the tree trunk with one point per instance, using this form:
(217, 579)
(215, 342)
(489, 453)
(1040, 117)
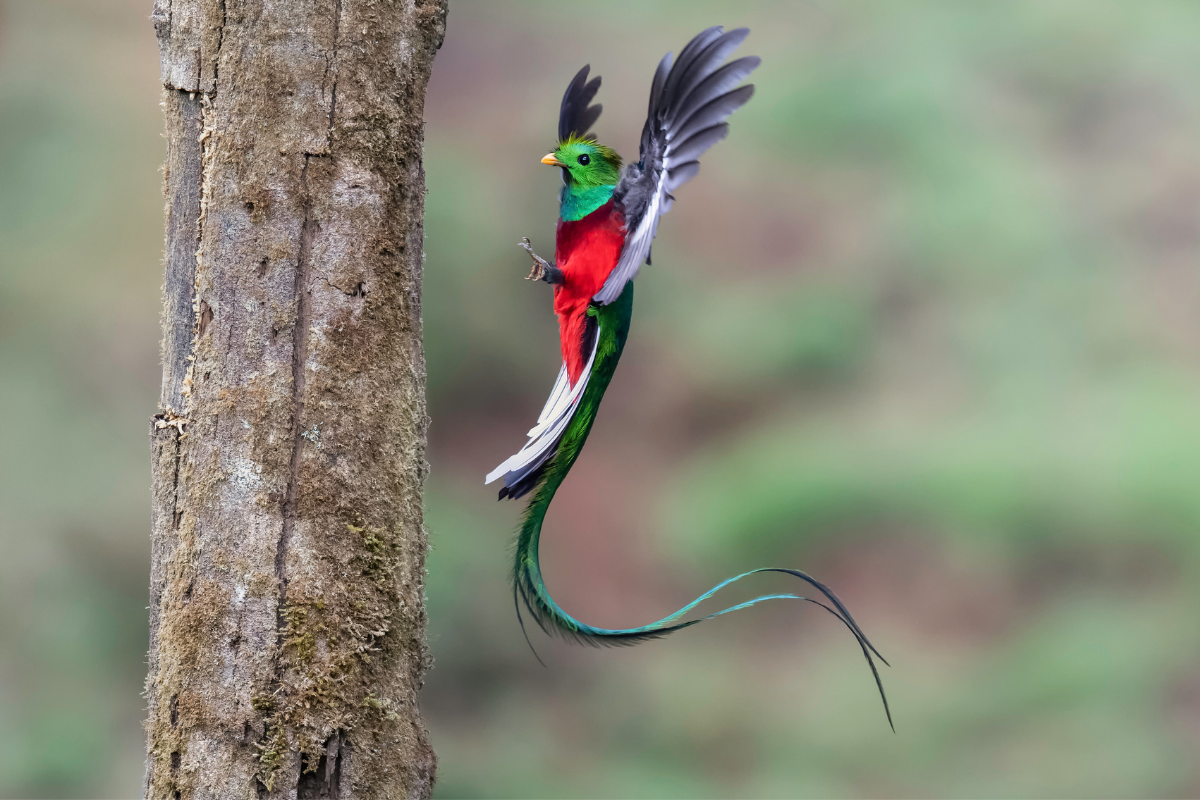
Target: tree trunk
(287, 588)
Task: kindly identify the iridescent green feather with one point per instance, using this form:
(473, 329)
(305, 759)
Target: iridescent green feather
(612, 323)
(588, 186)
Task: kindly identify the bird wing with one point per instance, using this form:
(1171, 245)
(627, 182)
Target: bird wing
(575, 116)
(521, 470)
(689, 103)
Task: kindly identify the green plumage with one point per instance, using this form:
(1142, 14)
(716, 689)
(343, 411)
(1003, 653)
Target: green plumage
(612, 329)
(587, 185)
(577, 203)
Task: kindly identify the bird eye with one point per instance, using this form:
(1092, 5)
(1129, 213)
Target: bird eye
(583, 159)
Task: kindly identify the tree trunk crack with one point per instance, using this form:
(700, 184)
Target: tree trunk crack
(206, 166)
(331, 66)
(299, 356)
(176, 514)
(220, 44)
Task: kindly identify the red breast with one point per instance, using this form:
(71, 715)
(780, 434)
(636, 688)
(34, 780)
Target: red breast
(586, 251)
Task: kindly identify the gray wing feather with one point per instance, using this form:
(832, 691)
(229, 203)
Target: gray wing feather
(713, 113)
(690, 98)
(656, 87)
(718, 83)
(687, 56)
(681, 175)
(705, 62)
(696, 145)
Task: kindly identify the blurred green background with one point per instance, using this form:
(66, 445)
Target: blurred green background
(927, 326)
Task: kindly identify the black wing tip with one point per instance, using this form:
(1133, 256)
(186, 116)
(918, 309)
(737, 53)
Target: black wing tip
(517, 484)
(518, 489)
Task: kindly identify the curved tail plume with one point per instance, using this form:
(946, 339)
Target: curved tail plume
(545, 471)
(530, 589)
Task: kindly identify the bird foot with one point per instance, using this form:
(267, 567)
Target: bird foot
(540, 265)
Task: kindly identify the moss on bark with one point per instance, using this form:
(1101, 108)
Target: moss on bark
(287, 587)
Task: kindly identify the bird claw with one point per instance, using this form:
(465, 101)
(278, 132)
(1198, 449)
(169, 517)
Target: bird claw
(539, 264)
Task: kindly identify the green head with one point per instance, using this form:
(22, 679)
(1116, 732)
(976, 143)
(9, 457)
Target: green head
(585, 163)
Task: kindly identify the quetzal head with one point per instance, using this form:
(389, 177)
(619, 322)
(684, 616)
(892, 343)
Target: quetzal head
(585, 162)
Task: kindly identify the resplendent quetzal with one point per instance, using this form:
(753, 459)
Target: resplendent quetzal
(606, 226)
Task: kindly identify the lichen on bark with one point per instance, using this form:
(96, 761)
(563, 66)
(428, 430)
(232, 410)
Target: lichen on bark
(287, 606)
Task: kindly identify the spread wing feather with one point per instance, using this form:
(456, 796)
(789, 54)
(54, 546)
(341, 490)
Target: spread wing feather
(690, 99)
(717, 84)
(702, 66)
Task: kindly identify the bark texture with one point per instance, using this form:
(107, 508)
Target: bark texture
(287, 589)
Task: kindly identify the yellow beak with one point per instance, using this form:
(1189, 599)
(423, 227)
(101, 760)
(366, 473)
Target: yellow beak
(551, 160)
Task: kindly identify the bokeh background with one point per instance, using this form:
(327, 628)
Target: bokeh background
(927, 326)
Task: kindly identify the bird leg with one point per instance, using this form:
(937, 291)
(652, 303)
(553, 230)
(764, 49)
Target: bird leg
(543, 270)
